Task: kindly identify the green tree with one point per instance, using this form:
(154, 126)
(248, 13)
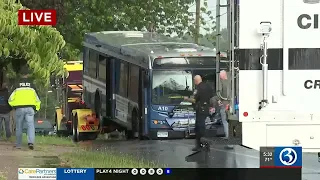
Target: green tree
(208, 40)
(163, 16)
(35, 46)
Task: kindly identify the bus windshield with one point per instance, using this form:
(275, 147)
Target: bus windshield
(170, 87)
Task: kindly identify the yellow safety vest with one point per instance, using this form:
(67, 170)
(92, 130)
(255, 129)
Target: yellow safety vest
(24, 97)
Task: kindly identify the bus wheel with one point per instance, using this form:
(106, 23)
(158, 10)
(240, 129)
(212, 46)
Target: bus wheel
(135, 125)
(75, 132)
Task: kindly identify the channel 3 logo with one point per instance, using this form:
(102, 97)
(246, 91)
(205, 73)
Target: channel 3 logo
(288, 156)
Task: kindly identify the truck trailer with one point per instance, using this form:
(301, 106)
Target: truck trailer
(73, 117)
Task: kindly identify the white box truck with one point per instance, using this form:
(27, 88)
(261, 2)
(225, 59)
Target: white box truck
(279, 73)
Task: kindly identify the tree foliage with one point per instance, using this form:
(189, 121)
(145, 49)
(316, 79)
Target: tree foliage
(36, 46)
(78, 17)
(208, 40)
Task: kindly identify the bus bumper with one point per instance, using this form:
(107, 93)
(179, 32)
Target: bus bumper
(171, 134)
(186, 133)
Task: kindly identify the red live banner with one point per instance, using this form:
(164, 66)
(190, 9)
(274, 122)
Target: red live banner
(45, 17)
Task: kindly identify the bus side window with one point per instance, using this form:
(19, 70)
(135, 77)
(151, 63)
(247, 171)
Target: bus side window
(123, 89)
(134, 83)
(102, 69)
(86, 61)
(93, 57)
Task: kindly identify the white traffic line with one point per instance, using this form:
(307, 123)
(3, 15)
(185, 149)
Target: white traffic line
(231, 152)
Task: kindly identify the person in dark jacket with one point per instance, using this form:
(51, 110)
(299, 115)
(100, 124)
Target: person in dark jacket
(5, 109)
(202, 96)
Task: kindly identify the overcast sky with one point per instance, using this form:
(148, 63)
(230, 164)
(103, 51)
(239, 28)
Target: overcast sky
(212, 7)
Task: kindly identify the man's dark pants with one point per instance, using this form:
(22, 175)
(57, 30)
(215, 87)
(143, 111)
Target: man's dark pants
(6, 119)
(200, 127)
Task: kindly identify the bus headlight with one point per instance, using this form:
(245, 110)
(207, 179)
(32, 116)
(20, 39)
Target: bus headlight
(158, 122)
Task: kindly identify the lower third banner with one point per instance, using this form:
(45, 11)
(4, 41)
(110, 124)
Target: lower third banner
(75, 173)
(200, 173)
(179, 173)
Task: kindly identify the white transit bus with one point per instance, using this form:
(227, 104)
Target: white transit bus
(136, 82)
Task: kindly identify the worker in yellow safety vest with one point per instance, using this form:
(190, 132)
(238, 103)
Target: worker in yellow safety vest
(26, 103)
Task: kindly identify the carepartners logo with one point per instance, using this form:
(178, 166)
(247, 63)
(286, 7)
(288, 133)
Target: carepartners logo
(46, 17)
(21, 171)
(37, 171)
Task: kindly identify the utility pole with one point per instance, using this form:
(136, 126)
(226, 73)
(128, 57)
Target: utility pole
(198, 17)
(218, 36)
(46, 105)
(231, 43)
(232, 54)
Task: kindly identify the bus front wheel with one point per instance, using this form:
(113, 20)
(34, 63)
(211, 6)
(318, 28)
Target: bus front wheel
(135, 124)
(135, 128)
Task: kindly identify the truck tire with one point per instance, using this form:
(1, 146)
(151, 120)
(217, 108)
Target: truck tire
(75, 132)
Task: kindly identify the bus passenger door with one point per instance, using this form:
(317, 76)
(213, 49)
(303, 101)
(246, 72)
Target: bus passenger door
(109, 85)
(143, 127)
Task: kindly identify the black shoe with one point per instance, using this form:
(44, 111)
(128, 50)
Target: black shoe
(197, 148)
(30, 146)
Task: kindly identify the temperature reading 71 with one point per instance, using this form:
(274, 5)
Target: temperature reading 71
(267, 159)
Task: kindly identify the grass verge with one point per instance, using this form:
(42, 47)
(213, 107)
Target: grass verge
(2, 176)
(86, 158)
(47, 140)
(104, 159)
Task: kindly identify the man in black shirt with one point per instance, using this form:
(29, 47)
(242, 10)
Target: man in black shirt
(202, 96)
(5, 109)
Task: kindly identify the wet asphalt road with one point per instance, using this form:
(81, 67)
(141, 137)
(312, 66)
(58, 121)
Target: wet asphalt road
(173, 153)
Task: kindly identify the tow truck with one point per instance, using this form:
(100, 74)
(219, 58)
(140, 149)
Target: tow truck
(72, 116)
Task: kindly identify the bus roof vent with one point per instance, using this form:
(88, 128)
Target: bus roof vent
(185, 50)
(133, 34)
(203, 48)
